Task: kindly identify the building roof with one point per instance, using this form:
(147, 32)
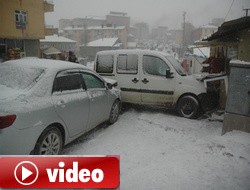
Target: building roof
(106, 28)
(114, 13)
(96, 28)
(230, 28)
(73, 28)
(51, 51)
(56, 38)
(103, 42)
(95, 17)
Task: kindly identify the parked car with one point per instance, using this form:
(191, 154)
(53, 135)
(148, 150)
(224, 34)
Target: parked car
(45, 104)
(154, 78)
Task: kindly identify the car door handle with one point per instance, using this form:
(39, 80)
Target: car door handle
(135, 80)
(145, 80)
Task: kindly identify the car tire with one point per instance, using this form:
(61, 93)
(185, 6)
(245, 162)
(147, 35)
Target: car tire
(188, 107)
(50, 142)
(114, 112)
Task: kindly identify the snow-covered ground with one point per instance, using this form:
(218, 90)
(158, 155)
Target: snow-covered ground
(160, 150)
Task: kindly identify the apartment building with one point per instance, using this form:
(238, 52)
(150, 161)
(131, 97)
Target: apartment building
(22, 25)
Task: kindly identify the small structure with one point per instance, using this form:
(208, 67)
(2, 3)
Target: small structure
(231, 41)
(237, 115)
(93, 47)
(51, 52)
(59, 42)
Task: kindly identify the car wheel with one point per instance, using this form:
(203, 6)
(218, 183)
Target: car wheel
(50, 142)
(114, 112)
(188, 107)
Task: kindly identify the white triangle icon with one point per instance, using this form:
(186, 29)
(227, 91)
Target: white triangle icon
(25, 173)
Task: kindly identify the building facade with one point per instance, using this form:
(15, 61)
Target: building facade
(142, 31)
(95, 33)
(118, 19)
(204, 31)
(22, 25)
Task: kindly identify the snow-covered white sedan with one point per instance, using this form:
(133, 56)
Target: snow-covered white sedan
(45, 104)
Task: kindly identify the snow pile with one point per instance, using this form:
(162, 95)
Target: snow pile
(163, 151)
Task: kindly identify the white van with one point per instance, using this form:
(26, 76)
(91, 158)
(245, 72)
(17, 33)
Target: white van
(152, 78)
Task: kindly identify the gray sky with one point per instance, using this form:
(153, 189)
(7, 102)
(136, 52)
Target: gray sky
(154, 12)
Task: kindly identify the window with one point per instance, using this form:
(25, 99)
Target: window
(92, 81)
(68, 81)
(177, 66)
(21, 19)
(154, 66)
(18, 77)
(127, 64)
(104, 64)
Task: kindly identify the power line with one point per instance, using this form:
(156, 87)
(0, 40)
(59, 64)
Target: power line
(229, 9)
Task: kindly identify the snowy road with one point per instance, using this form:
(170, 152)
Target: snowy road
(163, 151)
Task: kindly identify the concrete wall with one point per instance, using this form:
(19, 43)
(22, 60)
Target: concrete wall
(237, 116)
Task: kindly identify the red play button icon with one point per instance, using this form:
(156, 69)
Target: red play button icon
(26, 173)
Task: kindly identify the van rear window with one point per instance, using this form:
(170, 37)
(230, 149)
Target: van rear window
(104, 64)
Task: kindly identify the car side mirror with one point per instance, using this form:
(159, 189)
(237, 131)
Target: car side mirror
(169, 74)
(110, 86)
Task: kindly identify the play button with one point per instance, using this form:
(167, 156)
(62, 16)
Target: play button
(26, 173)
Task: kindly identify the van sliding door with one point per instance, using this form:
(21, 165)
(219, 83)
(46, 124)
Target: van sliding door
(128, 77)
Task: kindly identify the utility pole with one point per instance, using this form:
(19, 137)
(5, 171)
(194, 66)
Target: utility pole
(183, 35)
(246, 11)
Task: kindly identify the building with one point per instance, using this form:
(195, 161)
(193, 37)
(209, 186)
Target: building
(204, 31)
(188, 34)
(217, 21)
(118, 19)
(231, 40)
(22, 25)
(89, 50)
(160, 34)
(81, 22)
(59, 42)
(78, 34)
(142, 31)
(98, 32)
(90, 28)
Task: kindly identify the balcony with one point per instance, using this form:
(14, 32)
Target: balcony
(48, 6)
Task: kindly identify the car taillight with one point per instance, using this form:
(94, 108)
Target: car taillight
(6, 121)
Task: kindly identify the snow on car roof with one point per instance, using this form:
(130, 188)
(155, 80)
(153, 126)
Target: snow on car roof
(134, 51)
(45, 64)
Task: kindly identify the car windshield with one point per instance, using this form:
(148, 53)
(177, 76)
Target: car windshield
(19, 78)
(177, 66)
